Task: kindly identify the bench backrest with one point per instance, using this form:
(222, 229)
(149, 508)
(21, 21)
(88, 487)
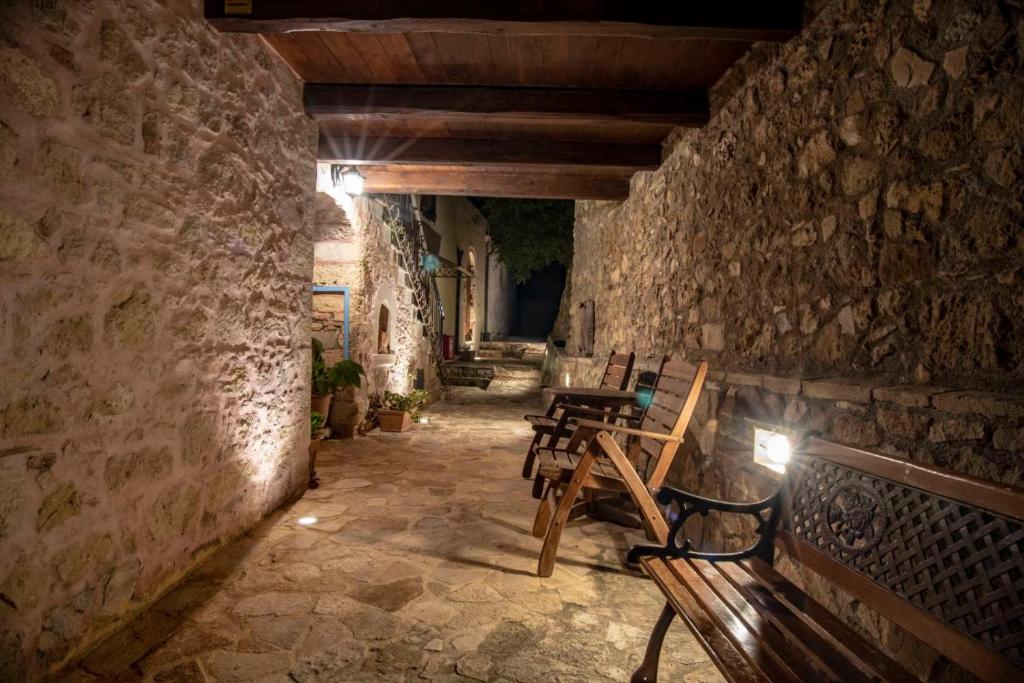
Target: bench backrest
(675, 396)
(939, 554)
(618, 371)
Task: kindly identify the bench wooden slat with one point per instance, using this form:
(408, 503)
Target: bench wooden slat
(827, 646)
(782, 630)
(817, 617)
(747, 641)
(729, 659)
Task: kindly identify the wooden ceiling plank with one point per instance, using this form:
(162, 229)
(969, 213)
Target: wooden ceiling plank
(747, 20)
(346, 53)
(427, 56)
(403, 57)
(631, 68)
(452, 102)
(312, 60)
(556, 60)
(442, 151)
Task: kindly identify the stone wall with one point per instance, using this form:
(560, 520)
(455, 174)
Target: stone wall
(353, 248)
(843, 243)
(156, 184)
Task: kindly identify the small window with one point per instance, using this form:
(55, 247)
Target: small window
(384, 330)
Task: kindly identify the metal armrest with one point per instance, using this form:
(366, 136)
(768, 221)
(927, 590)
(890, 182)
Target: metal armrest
(691, 504)
(609, 427)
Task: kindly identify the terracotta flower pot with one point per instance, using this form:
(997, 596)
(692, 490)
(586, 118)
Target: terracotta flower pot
(320, 403)
(394, 420)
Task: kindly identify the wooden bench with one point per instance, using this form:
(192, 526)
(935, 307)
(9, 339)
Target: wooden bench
(939, 554)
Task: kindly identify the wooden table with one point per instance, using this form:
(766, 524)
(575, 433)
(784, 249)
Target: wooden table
(591, 397)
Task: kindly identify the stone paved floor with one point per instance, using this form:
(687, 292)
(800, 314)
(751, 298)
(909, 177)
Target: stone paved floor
(420, 566)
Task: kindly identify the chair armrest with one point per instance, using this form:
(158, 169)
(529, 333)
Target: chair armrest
(609, 427)
(691, 504)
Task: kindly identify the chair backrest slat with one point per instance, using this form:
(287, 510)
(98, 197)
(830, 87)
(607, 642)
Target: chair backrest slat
(675, 397)
(618, 371)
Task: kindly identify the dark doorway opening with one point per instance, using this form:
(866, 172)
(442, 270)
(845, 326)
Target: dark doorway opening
(537, 301)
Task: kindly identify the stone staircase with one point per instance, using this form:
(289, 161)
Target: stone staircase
(516, 366)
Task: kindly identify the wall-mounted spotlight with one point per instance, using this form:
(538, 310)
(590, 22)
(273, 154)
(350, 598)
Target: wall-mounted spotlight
(772, 450)
(348, 179)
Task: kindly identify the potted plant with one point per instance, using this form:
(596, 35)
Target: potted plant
(328, 379)
(398, 411)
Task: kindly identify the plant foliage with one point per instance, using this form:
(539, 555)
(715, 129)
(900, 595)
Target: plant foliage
(529, 234)
(326, 380)
(411, 402)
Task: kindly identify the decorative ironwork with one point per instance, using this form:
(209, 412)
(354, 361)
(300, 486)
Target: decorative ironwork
(854, 518)
(962, 564)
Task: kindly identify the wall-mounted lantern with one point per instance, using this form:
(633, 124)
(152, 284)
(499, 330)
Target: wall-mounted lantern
(772, 450)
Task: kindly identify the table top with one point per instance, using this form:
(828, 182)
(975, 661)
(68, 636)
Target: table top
(592, 393)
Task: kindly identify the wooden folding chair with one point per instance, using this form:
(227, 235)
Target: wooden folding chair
(592, 462)
(616, 376)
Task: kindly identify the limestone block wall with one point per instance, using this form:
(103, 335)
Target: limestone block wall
(156, 183)
(843, 243)
(353, 248)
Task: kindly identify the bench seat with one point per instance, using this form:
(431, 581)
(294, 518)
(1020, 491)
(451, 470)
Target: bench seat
(757, 626)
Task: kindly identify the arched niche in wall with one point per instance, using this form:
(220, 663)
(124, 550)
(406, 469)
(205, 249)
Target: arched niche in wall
(384, 313)
(469, 298)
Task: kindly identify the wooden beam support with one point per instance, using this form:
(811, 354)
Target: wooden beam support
(541, 153)
(744, 20)
(494, 183)
(355, 102)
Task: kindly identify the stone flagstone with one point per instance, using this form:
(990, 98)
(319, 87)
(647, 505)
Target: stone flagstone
(431, 577)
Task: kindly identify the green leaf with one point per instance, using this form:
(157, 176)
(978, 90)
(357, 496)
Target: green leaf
(529, 234)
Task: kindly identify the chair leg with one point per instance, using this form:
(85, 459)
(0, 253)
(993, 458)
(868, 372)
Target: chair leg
(648, 671)
(548, 503)
(531, 455)
(538, 486)
(546, 565)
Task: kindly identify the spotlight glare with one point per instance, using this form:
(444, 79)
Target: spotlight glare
(306, 521)
(353, 182)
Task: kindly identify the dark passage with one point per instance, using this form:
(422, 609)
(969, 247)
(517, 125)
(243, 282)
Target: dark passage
(537, 301)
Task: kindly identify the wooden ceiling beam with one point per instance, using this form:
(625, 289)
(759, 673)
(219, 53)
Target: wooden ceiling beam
(444, 151)
(745, 20)
(494, 183)
(355, 102)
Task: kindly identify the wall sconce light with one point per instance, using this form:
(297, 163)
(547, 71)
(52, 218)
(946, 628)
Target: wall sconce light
(348, 178)
(772, 450)
(567, 382)
(430, 262)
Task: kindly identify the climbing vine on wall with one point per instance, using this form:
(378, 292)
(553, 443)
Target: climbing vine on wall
(529, 234)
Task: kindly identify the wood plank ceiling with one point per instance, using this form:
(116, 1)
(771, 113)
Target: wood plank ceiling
(517, 99)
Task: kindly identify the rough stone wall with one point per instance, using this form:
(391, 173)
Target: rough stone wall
(843, 243)
(353, 247)
(156, 184)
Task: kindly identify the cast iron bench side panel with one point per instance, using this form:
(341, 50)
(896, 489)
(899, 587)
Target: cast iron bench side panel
(958, 562)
